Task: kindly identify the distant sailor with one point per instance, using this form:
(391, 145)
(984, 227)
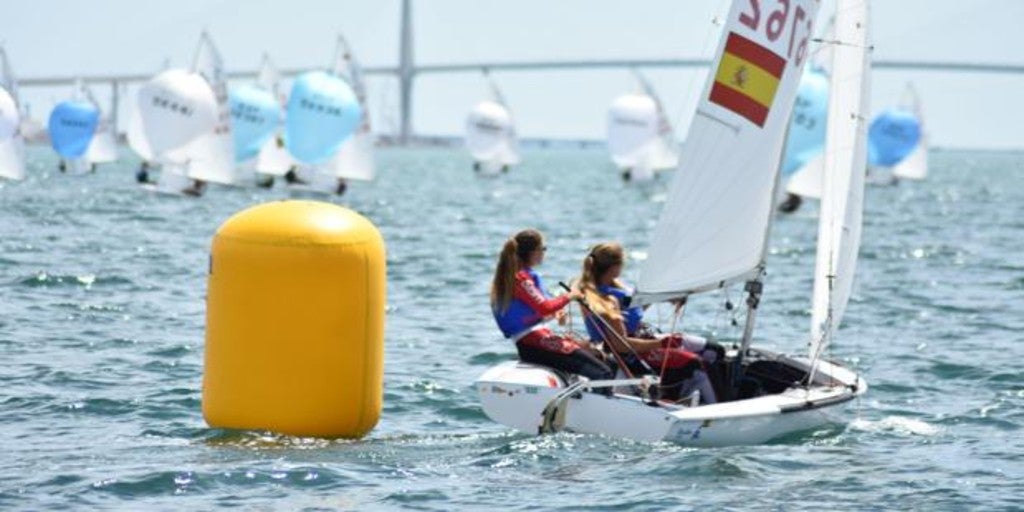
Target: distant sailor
(196, 190)
(342, 187)
(142, 175)
(292, 177)
(681, 359)
(521, 306)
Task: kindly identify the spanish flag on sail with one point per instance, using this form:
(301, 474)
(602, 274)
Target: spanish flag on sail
(748, 76)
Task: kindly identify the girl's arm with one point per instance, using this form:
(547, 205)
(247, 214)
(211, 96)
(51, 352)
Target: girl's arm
(527, 292)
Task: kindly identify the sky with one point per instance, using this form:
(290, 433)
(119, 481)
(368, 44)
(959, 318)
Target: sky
(71, 37)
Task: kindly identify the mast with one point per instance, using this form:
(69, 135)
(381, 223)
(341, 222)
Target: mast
(755, 286)
(406, 73)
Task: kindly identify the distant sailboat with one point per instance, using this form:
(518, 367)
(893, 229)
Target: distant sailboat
(354, 160)
(714, 231)
(491, 133)
(172, 111)
(273, 158)
(641, 139)
(12, 148)
(103, 148)
(212, 156)
(914, 166)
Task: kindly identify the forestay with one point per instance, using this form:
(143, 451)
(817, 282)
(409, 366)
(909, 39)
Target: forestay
(714, 225)
(839, 224)
(212, 156)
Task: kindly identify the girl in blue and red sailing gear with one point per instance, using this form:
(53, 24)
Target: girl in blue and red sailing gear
(521, 307)
(681, 360)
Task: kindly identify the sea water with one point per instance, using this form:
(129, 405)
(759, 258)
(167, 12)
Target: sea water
(101, 348)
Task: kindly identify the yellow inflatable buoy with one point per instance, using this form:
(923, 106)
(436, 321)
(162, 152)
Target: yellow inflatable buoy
(295, 321)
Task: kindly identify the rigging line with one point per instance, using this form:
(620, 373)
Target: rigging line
(713, 26)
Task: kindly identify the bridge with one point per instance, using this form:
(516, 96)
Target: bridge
(407, 70)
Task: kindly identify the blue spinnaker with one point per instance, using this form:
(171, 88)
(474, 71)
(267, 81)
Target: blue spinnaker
(806, 138)
(72, 125)
(322, 112)
(893, 136)
(255, 116)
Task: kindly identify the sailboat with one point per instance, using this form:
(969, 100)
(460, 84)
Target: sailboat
(72, 128)
(103, 147)
(212, 156)
(914, 166)
(491, 133)
(714, 232)
(171, 112)
(12, 148)
(273, 159)
(354, 160)
(641, 139)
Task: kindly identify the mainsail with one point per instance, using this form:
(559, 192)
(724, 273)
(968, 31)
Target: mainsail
(103, 147)
(842, 201)
(714, 227)
(355, 158)
(212, 156)
(914, 166)
(273, 158)
(663, 151)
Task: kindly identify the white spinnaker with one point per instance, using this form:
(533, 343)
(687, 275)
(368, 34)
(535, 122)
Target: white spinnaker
(632, 126)
(842, 200)
(103, 146)
(212, 156)
(354, 160)
(12, 149)
(488, 130)
(915, 165)
(713, 229)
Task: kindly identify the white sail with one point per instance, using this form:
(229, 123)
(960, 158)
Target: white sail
(915, 165)
(103, 146)
(136, 134)
(12, 148)
(212, 156)
(508, 152)
(663, 152)
(632, 126)
(822, 54)
(806, 181)
(714, 227)
(273, 158)
(354, 160)
(488, 132)
(842, 200)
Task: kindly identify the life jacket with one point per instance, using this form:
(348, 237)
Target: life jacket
(519, 317)
(632, 316)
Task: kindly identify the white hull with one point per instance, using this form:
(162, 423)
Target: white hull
(516, 394)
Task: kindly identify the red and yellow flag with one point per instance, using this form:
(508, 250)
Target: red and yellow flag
(747, 78)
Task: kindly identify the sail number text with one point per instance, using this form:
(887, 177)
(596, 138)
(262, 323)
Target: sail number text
(775, 25)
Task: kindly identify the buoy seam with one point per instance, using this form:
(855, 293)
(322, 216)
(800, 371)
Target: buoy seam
(296, 241)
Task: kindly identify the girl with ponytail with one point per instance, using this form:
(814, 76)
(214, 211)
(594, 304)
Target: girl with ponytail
(521, 307)
(685, 361)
